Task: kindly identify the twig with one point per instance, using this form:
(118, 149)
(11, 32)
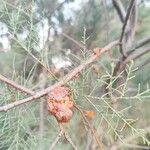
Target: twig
(61, 133)
(89, 140)
(41, 110)
(119, 144)
(91, 128)
(131, 10)
(63, 81)
(60, 5)
(124, 26)
(80, 45)
(67, 136)
(70, 141)
(133, 146)
(137, 55)
(140, 44)
(33, 56)
(41, 124)
(134, 57)
(146, 62)
(16, 86)
(123, 61)
(107, 26)
(56, 140)
(120, 9)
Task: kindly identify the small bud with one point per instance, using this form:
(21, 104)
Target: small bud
(97, 51)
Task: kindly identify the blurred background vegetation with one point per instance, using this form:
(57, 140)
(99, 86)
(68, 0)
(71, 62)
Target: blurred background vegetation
(58, 35)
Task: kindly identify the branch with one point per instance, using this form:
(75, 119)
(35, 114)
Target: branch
(133, 146)
(140, 44)
(120, 9)
(127, 140)
(123, 61)
(91, 128)
(16, 86)
(106, 15)
(70, 141)
(80, 45)
(67, 137)
(124, 26)
(134, 57)
(34, 57)
(56, 140)
(146, 62)
(63, 81)
(59, 6)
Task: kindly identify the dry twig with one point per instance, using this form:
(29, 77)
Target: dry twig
(80, 45)
(61, 133)
(124, 27)
(63, 81)
(146, 62)
(91, 128)
(127, 140)
(16, 86)
(140, 44)
(133, 57)
(120, 9)
(56, 140)
(69, 140)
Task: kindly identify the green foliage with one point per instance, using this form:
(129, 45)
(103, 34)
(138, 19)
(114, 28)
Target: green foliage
(120, 114)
